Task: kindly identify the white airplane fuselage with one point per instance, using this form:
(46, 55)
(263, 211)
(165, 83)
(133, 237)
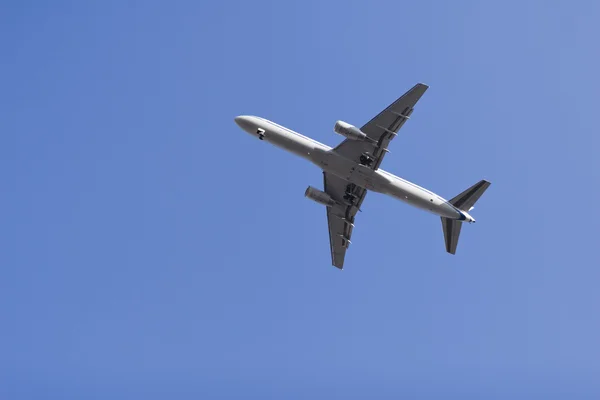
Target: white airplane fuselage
(328, 160)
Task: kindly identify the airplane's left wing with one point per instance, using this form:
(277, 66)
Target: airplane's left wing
(340, 218)
(382, 129)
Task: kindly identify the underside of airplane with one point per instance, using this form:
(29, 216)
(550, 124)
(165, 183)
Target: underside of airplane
(353, 167)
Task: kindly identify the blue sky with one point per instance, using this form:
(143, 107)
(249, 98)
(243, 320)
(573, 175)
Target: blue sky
(151, 248)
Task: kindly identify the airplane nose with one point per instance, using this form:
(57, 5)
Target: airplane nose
(243, 121)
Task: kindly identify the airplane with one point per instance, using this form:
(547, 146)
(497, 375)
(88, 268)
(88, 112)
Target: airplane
(352, 168)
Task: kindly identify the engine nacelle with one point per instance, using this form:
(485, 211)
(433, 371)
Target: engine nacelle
(349, 131)
(319, 196)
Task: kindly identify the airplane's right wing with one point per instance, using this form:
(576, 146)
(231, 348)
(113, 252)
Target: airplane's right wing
(340, 218)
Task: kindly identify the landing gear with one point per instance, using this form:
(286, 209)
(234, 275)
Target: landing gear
(260, 133)
(366, 160)
(349, 197)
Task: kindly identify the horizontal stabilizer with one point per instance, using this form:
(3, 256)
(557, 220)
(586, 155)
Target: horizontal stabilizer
(467, 199)
(451, 228)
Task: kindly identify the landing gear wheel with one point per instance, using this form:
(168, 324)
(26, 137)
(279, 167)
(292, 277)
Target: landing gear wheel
(349, 197)
(367, 161)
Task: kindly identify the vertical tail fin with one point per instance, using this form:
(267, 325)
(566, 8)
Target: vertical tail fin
(465, 202)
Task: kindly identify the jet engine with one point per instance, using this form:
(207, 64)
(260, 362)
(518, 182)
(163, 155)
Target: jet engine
(349, 131)
(319, 196)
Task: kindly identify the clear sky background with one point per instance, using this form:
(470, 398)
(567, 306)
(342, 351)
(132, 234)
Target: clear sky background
(151, 249)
